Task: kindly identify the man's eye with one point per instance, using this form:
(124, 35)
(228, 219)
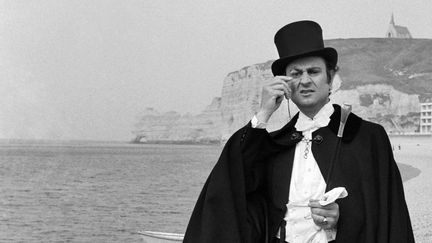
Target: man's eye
(314, 71)
(295, 74)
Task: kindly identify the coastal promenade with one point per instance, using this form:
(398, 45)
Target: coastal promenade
(418, 190)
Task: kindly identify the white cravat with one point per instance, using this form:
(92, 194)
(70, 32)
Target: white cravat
(307, 183)
(321, 119)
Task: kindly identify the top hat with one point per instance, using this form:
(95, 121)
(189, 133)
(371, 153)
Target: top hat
(301, 39)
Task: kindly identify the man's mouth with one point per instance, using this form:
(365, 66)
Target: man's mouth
(306, 91)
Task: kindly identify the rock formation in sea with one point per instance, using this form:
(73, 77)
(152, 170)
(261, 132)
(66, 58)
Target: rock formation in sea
(383, 79)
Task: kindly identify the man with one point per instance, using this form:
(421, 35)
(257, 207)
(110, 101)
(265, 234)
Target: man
(269, 187)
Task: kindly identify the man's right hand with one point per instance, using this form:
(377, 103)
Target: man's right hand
(272, 96)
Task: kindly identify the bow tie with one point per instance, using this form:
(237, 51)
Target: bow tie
(304, 123)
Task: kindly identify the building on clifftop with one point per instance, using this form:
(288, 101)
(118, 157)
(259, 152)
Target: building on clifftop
(397, 31)
(426, 116)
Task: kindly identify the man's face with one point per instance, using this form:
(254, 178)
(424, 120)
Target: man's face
(310, 86)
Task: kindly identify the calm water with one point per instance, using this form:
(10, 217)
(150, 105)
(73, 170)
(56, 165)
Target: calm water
(88, 192)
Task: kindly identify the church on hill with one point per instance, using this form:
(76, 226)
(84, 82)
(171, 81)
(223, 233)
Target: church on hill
(397, 31)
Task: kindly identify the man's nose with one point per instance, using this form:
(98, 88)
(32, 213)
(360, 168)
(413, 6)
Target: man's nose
(305, 78)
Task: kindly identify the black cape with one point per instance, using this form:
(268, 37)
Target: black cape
(244, 198)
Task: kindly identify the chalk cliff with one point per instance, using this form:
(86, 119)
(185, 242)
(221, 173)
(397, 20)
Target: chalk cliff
(153, 126)
(383, 79)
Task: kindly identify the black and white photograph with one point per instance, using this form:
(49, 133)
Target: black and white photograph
(286, 121)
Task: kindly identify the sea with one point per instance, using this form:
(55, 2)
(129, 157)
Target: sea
(80, 191)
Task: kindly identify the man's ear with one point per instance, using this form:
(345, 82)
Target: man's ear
(335, 83)
(332, 75)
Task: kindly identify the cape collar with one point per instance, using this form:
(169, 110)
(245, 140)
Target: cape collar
(288, 135)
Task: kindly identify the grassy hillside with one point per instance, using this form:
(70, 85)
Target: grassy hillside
(406, 64)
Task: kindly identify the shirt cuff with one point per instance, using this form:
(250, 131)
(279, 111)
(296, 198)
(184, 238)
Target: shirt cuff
(257, 124)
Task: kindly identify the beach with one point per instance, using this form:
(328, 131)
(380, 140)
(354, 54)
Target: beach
(417, 152)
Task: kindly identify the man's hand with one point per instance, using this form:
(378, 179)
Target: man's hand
(324, 216)
(272, 96)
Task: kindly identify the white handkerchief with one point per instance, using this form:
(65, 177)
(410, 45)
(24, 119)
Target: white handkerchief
(318, 234)
(332, 195)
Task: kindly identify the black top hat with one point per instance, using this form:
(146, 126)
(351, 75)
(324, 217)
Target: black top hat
(301, 39)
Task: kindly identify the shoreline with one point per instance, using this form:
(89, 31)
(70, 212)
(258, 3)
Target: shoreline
(415, 152)
(182, 142)
(408, 172)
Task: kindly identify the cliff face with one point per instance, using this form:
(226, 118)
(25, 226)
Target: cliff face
(241, 94)
(383, 80)
(153, 126)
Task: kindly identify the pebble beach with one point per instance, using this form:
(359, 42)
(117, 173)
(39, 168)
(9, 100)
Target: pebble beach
(417, 152)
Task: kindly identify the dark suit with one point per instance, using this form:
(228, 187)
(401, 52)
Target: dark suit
(246, 194)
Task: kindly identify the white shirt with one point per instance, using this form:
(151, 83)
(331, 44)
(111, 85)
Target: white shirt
(307, 182)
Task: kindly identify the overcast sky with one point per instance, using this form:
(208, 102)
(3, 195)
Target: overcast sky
(84, 69)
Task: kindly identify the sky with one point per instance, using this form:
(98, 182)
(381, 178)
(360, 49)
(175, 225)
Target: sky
(86, 69)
